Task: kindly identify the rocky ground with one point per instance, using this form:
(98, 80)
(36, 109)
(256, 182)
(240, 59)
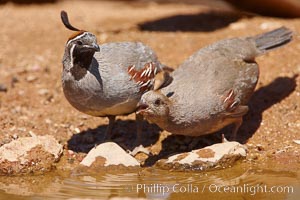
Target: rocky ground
(32, 102)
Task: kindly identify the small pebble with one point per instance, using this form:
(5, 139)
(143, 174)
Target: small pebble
(3, 88)
(269, 25)
(16, 110)
(21, 129)
(81, 124)
(35, 68)
(249, 145)
(260, 147)
(15, 136)
(43, 92)
(24, 118)
(77, 130)
(70, 152)
(50, 98)
(237, 25)
(280, 151)
(21, 92)
(31, 78)
(32, 134)
(254, 156)
(65, 126)
(48, 121)
(13, 81)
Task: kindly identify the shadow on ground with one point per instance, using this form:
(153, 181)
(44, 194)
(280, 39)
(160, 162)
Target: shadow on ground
(261, 100)
(124, 134)
(205, 22)
(125, 131)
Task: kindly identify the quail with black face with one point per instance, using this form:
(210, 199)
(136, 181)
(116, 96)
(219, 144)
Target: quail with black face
(109, 79)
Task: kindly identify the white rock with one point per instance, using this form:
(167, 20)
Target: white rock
(113, 155)
(29, 155)
(219, 150)
(17, 149)
(220, 154)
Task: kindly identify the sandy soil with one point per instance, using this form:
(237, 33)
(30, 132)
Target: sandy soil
(33, 38)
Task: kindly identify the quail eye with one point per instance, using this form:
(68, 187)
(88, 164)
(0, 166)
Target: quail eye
(79, 42)
(157, 102)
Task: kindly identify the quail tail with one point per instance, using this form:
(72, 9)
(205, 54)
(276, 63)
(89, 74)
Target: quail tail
(273, 39)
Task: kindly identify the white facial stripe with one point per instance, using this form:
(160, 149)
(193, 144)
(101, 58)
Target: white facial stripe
(79, 36)
(71, 53)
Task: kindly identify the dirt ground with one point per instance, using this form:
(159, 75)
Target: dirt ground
(33, 38)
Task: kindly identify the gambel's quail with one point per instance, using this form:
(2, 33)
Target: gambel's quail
(210, 90)
(106, 80)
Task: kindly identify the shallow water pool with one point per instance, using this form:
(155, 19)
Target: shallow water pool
(238, 182)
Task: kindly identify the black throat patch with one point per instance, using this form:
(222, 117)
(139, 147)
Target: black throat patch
(82, 59)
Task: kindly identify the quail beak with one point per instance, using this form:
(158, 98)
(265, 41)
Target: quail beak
(142, 108)
(94, 47)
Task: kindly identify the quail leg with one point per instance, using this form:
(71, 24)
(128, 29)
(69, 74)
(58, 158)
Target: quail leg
(139, 128)
(224, 139)
(237, 125)
(238, 114)
(108, 132)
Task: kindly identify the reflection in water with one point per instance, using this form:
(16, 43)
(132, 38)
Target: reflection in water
(233, 183)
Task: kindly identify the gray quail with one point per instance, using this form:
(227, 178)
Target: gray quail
(106, 80)
(210, 90)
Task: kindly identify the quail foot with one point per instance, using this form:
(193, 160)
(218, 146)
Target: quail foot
(210, 90)
(106, 80)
